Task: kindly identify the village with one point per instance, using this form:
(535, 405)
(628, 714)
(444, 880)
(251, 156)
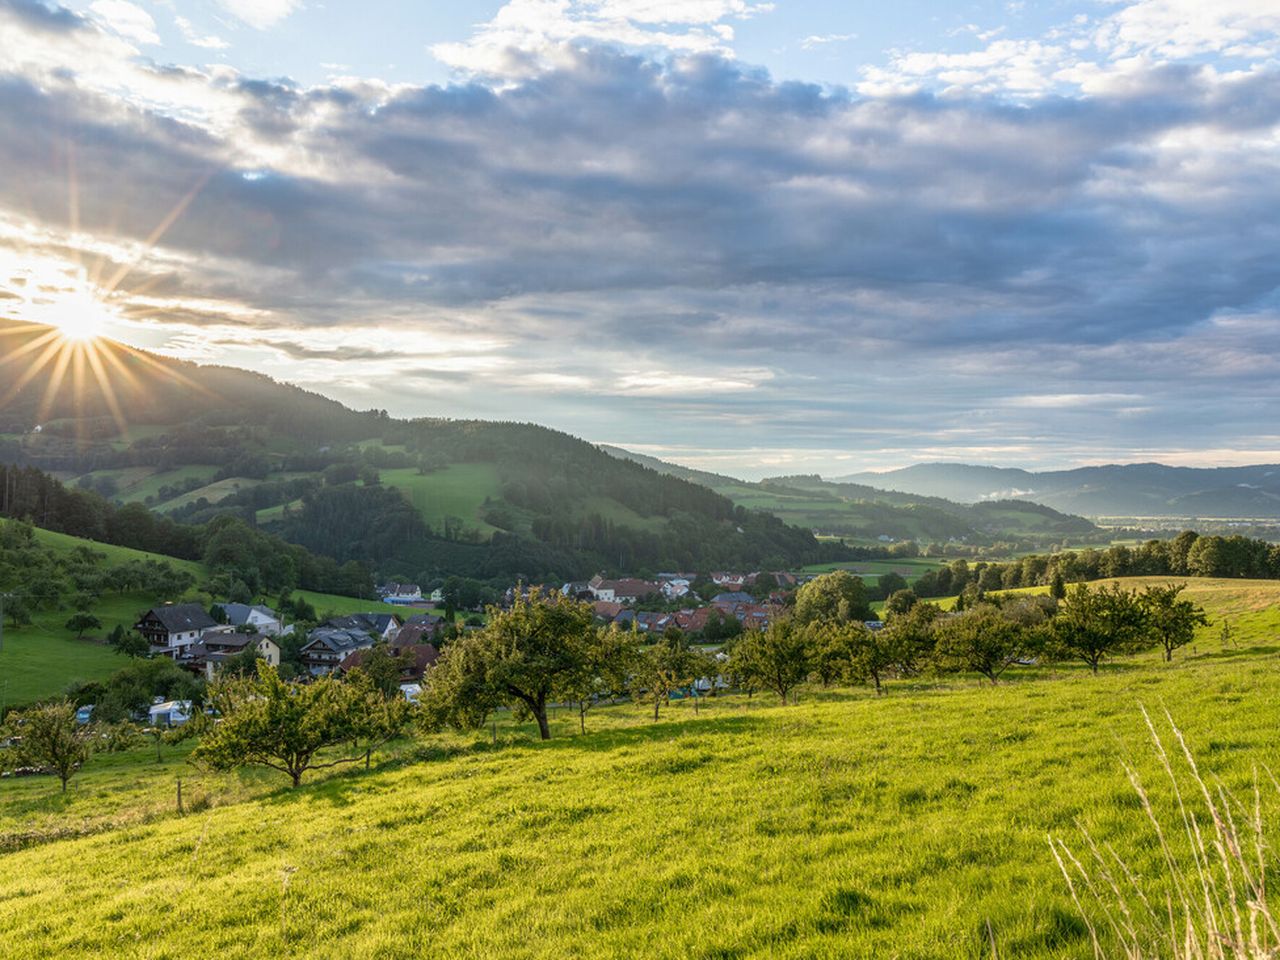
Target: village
(204, 640)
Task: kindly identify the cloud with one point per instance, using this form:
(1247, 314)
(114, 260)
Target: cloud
(260, 13)
(679, 249)
(127, 19)
(813, 41)
(526, 36)
(196, 39)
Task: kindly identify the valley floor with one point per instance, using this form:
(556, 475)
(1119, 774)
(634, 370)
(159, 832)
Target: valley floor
(911, 826)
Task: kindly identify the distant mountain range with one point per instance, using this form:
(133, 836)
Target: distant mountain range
(1117, 490)
(867, 513)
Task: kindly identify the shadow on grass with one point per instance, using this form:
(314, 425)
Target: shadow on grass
(1235, 653)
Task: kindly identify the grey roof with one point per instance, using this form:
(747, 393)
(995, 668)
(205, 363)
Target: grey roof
(377, 622)
(338, 640)
(238, 613)
(182, 617)
(736, 596)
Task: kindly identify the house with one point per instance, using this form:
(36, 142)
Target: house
(437, 596)
(675, 588)
(622, 591)
(262, 619)
(173, 626)
(419, 658)
(692, 621)
(731, 599)
(417, 630)
(170, 713)
(385, 625)
(328, 646)
(216, 646)
(607, 610)
(401, 593)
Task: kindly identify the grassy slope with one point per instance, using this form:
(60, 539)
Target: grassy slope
(42, 659)
(842, 827)
(458, 490)
(912, 568)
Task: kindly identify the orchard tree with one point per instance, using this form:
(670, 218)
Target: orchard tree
(270, 722)
(664, 667)
(522, 658)
(838, 596)
(911, 632)
(612, 658)
(777, 658)
(983, 640)
(82, 623)
(854, 654)
(51, 737)
(1170, 620)
(1092, 625)
(900, 602)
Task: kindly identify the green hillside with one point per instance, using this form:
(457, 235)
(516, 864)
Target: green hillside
(863, 513)
(491, 500)
(43, 658)
(846, 826)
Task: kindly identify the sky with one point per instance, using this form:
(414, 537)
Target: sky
(752, 237)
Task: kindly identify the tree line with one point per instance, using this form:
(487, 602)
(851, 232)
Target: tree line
(1187, 555)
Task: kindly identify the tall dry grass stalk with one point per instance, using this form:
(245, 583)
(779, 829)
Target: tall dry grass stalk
(1214, 857)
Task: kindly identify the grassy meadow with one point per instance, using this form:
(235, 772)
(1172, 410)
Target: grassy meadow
(912, 826)
(458, 490)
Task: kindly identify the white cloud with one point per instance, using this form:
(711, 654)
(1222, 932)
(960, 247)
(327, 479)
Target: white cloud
(526, 36)
(1173, 29)
(818, 40)
(196, 39)
(260, 13)
(127, 19)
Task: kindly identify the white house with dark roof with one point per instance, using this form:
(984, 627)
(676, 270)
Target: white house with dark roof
(173, 626)
(260, 618)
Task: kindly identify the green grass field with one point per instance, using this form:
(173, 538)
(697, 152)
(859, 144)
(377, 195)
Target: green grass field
(911, 568)
(458, 490)
(214, 492)
(913, 826)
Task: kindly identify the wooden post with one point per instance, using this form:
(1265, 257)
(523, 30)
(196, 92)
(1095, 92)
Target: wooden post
(181, 812)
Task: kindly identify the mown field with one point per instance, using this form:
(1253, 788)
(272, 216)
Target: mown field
(458, 490)
(911, 568)
(913, 826)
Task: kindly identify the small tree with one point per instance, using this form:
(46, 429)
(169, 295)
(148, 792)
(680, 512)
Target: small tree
(778, 658)
(612, 656)
(82, 623)
(912, 635)
(852, 653)
(52, 738)
(522, 658)
(128, 642)
(1171, 621)
(1092, 625)
(380, 717)
(982, 640)
(666, 666)
(833, 596)
(269, 722)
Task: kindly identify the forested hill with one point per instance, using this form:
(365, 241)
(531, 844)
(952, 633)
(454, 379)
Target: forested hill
(409, 498)
(864, 512)
(1114, 490)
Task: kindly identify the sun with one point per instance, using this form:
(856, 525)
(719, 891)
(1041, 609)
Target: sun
(78, 315)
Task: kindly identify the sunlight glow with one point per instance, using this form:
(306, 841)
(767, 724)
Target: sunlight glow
(78, 315)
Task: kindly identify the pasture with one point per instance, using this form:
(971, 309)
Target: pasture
(910, 826)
